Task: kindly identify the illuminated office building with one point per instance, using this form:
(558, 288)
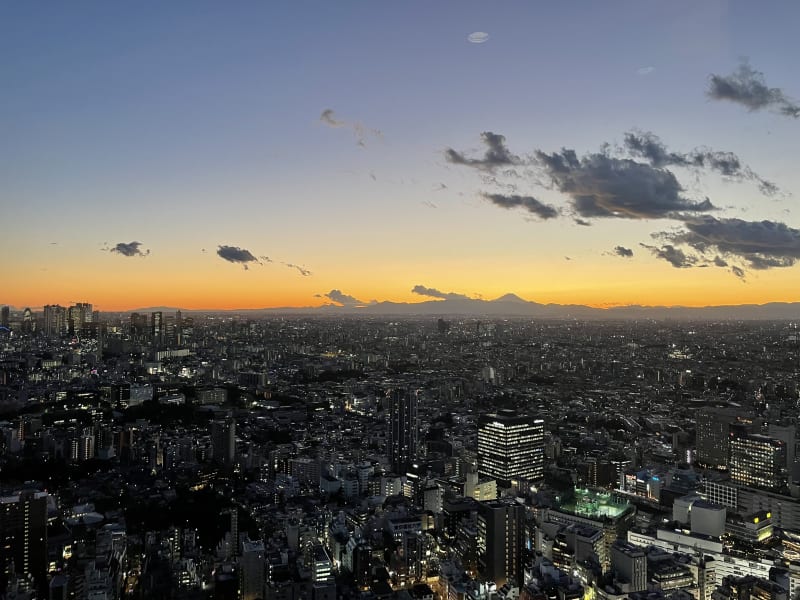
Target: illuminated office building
(510, 447)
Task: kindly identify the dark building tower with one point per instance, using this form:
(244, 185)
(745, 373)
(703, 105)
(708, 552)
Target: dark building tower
(510, 447)
(223, 440)
(713, 432)
(23, 537)
(402, 429)
(501, 539)
(5, 316)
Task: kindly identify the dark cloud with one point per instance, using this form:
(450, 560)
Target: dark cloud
(720, 262)
(529, 203)
(340, 297)
(738, 271)
(434, 293)
(647, 145)
(236, 255)
(623, 251)
(600, 185)
(496, 155)
(360, 131)
(674, 256)
(758, 244)
(129, 249)
(748, 87)
(582, 222)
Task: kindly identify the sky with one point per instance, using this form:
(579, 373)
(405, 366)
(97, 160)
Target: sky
(258, 154)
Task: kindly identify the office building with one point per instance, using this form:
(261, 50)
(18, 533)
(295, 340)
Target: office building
(758, 461)
(510, 447)
(403, 434)
(252, 569)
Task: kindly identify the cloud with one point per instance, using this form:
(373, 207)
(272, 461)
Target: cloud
(529, 203)
(360, 131)
(429, 204)
(497, 154)
(738, 271)
(674, 256)
(759, 245)
(647, 145)
(478, 37)
(582, 222)
(434, 293)
(747, 87)
(340, 297)
(236, 255)
(623, 251)
(645, 70)
(302, 270)
(600, 185)
(129, 249)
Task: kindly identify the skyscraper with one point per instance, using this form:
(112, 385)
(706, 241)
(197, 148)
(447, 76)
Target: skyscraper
(510, 447)
(402, 429)
(55, 320)
(23, 536)
(757, 461)
(5, 316)
(501, 538)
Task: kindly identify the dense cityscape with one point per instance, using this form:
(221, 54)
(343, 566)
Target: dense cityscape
(160, 454)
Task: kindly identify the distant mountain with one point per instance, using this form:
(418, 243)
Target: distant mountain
(511, 305)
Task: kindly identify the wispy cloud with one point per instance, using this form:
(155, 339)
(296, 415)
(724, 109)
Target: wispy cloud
(749, 88)
(302, 270)
(647, 145)
(496, 155)
(478, 37)
(674, 256)
(361, 132)
(529, 203)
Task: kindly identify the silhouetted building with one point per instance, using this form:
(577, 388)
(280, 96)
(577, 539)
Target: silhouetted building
(223, 440)
(402, 430)
(501, 540)
(23, 536)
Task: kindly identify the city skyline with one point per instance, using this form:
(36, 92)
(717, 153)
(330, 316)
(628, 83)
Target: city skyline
(215, 157)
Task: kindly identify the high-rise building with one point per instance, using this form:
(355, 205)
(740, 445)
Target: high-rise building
(78, 316)
(501, 540)
(252, 569)
(55, 320)
(223, 440)
(23, 536)
(402, 430)
(5, 316)
(758, 461)
(713, 427)
(157, 326)
(510, 447)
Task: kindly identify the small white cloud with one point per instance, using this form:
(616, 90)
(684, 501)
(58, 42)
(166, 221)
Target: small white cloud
(645, 70)
(478, 37)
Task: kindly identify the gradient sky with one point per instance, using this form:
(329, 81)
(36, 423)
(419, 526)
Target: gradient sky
(192, 126)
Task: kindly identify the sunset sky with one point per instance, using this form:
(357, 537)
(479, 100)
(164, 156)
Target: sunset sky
(265, 154)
